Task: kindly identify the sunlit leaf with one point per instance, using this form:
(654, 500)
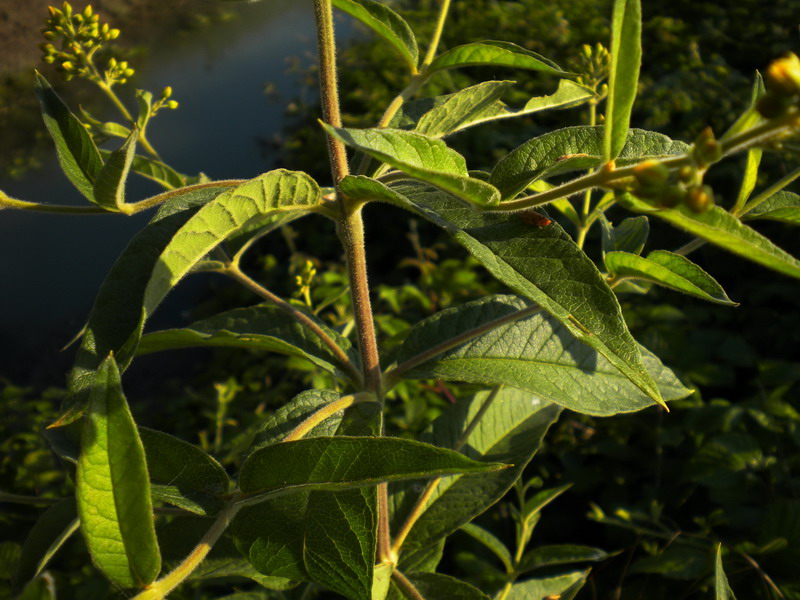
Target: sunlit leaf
(109, 185)
(547, 587)
(113, 489)
(783, 206)
(495, 54)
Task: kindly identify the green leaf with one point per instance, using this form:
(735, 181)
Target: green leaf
(420, 157)
(261, 327)
(113, 489)
(227, 214)
(387, 24)
(489, 540)
(510, 432)
(562, 554)
(494, 54)
(541, 263)
(783, 206)
(722, 229)
(435, 585)
(109, 185)
(116, 321)
(546, 587)
(534, 353)
(52, 530)
(182, 474)
(331, 463)
(145, 101)
(159, 172)
(77, 153)
(623, 76)
(668, 270)
(534, 505)
(574, 149)
(629, 236)
(477, 104)
(675, 562)
(722, 589)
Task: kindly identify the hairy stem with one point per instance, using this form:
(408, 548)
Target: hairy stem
(437, 34)
(408, 587)
(325, 412)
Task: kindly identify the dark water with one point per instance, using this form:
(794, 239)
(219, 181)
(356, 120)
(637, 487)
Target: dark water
(52, 265)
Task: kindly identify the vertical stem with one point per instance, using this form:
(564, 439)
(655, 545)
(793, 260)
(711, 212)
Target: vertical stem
(437, 34)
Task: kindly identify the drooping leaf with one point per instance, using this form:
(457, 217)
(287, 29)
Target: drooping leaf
(342, 462)
(116, 318)
(623, 75)
(547, 587)
(722, 229)
(77, 153)
(783, 206)
(261, 327)
(669, 270)
(494, 54)
(491, 541)
(109, 185)
(182, 474)
(563, 554)
(113, 489)
(421, 157)
(534, 353)
(52, 530)
(510, 431)
(436, 585)
(722, 589)
(629, 236)
(542, 263)
(477, 104)
(574, 149)
(387, 24)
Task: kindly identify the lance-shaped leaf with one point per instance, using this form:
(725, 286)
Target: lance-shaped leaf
(420, 157)
(77, 154)
(558, 586)
(494, 54)
(340, 462)
(489, 540)
(480, 103)
(722, 589)
(113, 488)
(274, 192)
(722, 229)
(669, 270)
(109, 185)
(533, 352)
(436, 585)
(510, 431)
(574, 149)
(261, 327)
(562, 554)
(387, 24)
(154, 170)
(623, 75)
(541, 263)
(629, 236)
(52, 530)
(783, 206)
(182, 474)
(116, 318)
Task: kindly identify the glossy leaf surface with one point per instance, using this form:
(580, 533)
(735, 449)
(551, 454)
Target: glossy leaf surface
(421, 157)
(574, 149)
(77, 154)
(534, 353)
(495, 54)
(113, 489)
(623, 76)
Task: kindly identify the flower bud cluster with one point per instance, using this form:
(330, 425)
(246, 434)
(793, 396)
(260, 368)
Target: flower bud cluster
(165, 101)
(783, 87)
(668, 189)
(78, 36)
(593, 65)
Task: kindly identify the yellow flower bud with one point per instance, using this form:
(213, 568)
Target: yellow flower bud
(783, 75)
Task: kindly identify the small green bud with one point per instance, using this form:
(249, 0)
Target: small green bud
(699, 198)
(49, 59)
(54, 12)
(671, 196)
(48, 34)
(166, 92)
(67, 8)
(173, 104)
(783, 75)
(104, 28)
(128, 72)
(112, 62)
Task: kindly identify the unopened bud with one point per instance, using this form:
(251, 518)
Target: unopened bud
(166, 92)
(87, 12)
(113, 34)
(700, 198)
(783, 75)
(173, 104)
(706, 150)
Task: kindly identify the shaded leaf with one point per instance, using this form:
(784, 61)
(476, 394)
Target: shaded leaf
(722, 229)
(783, 206)
(562, 554)
(722, 589)
(623, 76)
(669, 270)
(109, 185)
(260, 327)
(51, 531)
(534, 353)
(510, 431)
(541, 499)
(421, 157)
(113, 489)
(574, 149)
(182, 474)
(77, 154)
(541, 263)
(675, 562)
(629, 236)
(489, 540)
(495, 54)
(435, 585)
(387, 24)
